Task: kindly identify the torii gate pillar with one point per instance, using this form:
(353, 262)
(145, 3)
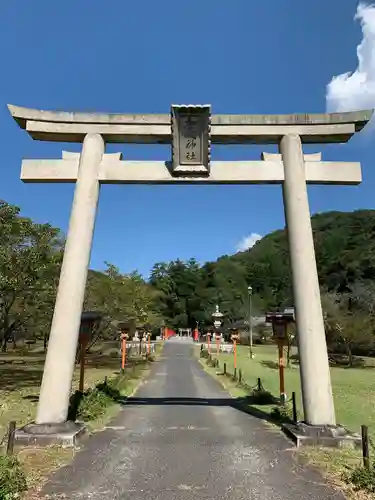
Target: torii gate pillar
(62, 346)
(312, 347)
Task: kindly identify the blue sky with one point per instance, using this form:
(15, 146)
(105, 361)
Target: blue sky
(242, 56)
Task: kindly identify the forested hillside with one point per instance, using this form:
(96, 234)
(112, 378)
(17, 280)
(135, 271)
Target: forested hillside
(345, 251)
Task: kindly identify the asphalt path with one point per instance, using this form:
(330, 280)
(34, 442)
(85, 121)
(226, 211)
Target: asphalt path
(181, 438)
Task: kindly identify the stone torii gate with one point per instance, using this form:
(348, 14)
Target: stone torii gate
(190, 130)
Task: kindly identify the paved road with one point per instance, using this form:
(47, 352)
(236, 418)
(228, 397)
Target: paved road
(179, 439)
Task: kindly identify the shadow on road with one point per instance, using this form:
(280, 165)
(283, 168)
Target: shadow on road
(244, 404)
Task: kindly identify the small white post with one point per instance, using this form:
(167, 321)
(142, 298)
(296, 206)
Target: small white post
(59, 366)
(314, 366)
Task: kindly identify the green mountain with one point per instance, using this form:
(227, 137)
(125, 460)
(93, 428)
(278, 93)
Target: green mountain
(345, 253)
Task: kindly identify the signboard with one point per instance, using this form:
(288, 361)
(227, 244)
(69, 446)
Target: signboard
(89, 319)
(279, 329)
(84, 333)
(191, 139)
(290, 312)
(84, 338)
(280, 324)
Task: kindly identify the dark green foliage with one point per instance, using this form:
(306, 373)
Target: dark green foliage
(89, 405)
(93, 403)
(261, 397)
(282, 413)
(344, 246)
(362, 478)
(212, 361)
(30, 256)
(12, 478)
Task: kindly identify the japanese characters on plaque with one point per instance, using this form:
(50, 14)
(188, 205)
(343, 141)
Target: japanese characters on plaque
(191, 139)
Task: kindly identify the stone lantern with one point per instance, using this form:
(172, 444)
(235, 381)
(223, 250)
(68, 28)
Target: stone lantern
(217, 321)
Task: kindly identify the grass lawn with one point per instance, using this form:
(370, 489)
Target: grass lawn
(353, 388)
(354, 402)
(21, 374)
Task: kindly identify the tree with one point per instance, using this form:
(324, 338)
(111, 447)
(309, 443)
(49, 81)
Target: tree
(120, 297)
(30, 257)
(345, 326)
(180, 299)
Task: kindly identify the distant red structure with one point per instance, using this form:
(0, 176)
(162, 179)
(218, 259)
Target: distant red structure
(196, 335)
(168, 332)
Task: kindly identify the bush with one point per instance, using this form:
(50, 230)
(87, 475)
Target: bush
(94, 402)
(282, 413)
(362, 478)
(204, 354)
(212, 362)
(112, 388)
(12, 478)
(262, 397)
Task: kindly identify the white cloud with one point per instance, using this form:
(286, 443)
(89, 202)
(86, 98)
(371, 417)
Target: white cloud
(354, 91)
(248, 242)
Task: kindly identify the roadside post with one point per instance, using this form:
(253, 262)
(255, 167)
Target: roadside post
(218, 338)
(280, 321)
(124, 329)
(209, 342)
(89, 320)
(235, 338)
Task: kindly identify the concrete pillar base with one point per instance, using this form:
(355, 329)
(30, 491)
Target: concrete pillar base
(66, 434)
(329, 436)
